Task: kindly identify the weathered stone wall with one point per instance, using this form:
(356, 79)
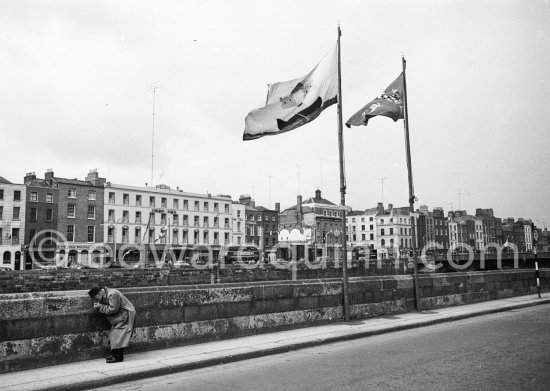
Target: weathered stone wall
(77, 279)
(48, 328)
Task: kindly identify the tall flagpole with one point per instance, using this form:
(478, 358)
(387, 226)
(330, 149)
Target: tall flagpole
(412, 197)
(342, 187)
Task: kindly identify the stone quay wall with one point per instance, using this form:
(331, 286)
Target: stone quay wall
(47, 328)
(42, 280)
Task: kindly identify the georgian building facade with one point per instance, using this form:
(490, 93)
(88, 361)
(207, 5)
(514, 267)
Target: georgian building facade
(12, 224)
(40, 222)
(163, 216)
(313, 227)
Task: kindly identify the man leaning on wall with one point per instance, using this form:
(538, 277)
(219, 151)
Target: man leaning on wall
(120, 313)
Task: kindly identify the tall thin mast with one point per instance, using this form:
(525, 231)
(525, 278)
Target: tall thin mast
(342, 187)
(153, 136)
(412, 197)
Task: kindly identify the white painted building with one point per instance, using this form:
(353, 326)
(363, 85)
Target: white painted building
(238, 224)
(164, 216)
(12, 224)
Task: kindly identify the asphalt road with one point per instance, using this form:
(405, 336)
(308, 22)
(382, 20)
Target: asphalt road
(504, 351)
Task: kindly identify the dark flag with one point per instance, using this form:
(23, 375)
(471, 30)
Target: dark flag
(389, 104)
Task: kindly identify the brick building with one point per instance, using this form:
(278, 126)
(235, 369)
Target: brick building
(41, 221)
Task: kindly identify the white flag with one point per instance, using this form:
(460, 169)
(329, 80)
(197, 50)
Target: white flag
(294, 103)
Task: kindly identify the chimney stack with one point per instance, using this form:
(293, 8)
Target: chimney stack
(278, 207)
(49, 174)
(29, 176)
(380, 208)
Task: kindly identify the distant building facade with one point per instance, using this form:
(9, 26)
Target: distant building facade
(12, 224)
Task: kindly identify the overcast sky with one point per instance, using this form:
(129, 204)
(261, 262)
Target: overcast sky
(77, 94)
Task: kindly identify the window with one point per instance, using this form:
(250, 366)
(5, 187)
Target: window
(1, 194)
(17, 195)
(34, 196)
(124, 234)
(15, 236)
(137, 234)
(34, 214)
(110, 235)
(91, 212)
(273, 218)
(238, 226)
(205, 237)
(1, 211)
(175, 220)
(185, 221)
(382, 232)
(49, 214)
(163, 218)
(238, 213)
(363, 236)
(370, 218)
(71, 210)
(125, 216)
(226, 208)
(259, 218)
(185, 205)
(176, 204)
(226, 224)
(138, 217)
(111, 197)
(71, 193)
(91, 234)
(216, 207)
(16, 213)
(32, 234)
(91, 195)
(70, 233)
(196, 238)
(138, 200)
(184, 237)
(0, 235)
(126, 199)
(49, 198)
(216, 222)
(391, 231)
(163, 202)
(196, 205)
(205, 222)
(216, 238)
(152, 202)
(111, 216)
(196, 221)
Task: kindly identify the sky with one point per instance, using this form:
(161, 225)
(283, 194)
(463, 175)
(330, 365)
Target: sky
(78, 79)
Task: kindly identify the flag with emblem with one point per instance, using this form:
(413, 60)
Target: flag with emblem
(291, 104)
(389, 104)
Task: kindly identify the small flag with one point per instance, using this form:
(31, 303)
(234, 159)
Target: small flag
(294, 103)
(389, 104)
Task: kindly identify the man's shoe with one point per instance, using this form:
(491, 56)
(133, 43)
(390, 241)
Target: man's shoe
(111, 360)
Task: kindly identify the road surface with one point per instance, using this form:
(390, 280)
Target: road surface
(503, 351)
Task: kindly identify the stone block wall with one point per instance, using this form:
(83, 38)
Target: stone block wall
(43, 280)
(49, 328)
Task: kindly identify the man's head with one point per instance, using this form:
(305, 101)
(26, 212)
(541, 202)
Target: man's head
(96, 293)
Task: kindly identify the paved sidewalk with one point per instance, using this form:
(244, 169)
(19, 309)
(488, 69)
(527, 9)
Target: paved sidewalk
(95, 373)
